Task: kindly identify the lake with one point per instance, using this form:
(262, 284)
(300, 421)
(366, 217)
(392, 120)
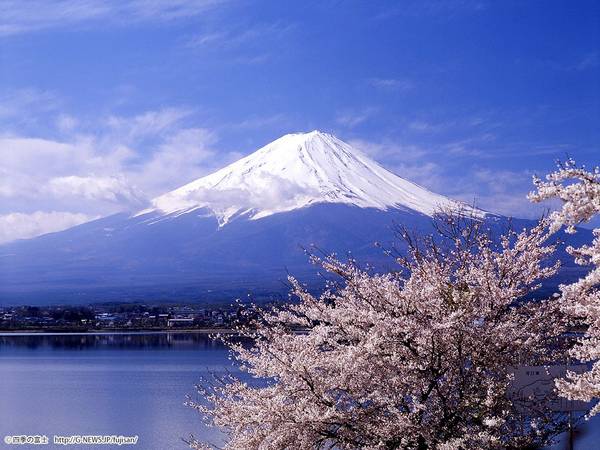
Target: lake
(106, 384)
(122, 384)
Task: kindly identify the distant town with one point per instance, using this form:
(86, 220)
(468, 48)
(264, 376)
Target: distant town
(119, 317)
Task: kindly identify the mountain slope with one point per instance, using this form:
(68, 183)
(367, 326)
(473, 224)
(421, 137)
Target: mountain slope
(189, 256)
(295, 171)
(240, 230)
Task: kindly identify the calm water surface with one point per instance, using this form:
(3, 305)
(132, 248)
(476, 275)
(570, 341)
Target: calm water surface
(122, 384)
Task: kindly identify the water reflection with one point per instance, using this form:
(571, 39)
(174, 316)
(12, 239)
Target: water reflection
(130, 341)
(129, 384)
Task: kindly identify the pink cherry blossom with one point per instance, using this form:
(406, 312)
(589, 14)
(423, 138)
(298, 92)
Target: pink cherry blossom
(579, 191)
(417, 359)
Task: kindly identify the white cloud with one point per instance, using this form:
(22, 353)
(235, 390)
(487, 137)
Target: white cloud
(389, 150)
(393, 84)
(410, 161)
(22, 226)
(586, 61)
(206, 39)
(19, 103)
(499, 191)
(66, 123)
(233, 37)
(18, 16)
(427, 127)
(589, 61)
(241, 44)
(100, 168)
(352, 118)
(427, 174)
(113, 189)
(277, 193)
(446, 9)
(39, 159)
(256, 122)
(149, 123)
(181, 158)
(95, 169)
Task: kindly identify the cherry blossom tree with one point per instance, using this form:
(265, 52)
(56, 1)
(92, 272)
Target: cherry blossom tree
(417, 359)
(579, 191)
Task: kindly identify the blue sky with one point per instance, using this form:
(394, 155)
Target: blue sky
(106, 104)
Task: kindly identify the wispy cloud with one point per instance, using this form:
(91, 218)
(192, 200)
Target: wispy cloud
(234, 36)
(428, 127)
(241, 44)
(410, 161)
(22, 226)
(255, 122)
(445, 9)
(16, 103)
(427, 173)
(95, 168)
(390, 149)
(391, 84)
(476, 145)
(477, 127)
(584, 62)
(114, 189)
(466, 179)
(353, 118)
(17, 17)
(589, 61)
(250, 59)
(499, 191)
(183, 156)
(149, 123)
(208, 39)
(66, 123)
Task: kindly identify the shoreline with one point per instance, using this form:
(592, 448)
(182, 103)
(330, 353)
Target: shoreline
(66, 332)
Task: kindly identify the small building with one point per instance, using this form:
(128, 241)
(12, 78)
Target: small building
(182, 322)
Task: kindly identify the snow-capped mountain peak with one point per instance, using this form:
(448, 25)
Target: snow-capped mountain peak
(295, 171)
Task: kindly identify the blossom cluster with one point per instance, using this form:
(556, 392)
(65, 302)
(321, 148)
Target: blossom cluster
(579, 191)
(414, 359)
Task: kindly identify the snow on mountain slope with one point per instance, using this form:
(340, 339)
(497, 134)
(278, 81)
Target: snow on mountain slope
(295, 171)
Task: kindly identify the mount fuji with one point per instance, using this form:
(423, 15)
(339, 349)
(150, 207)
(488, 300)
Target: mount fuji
(237, 231)
(297, 171)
